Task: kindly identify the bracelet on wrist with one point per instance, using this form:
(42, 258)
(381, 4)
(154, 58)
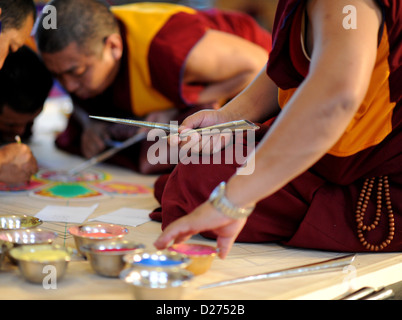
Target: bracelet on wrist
(225, 206)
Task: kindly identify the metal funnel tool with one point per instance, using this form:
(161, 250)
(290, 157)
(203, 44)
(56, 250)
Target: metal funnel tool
(307, 269)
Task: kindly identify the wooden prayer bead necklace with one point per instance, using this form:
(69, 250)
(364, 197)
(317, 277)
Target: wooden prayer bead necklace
(362, 203)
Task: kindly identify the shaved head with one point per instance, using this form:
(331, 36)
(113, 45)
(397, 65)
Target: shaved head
(86, 22)
(15, 12)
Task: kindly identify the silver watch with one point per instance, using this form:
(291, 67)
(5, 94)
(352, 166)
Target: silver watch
(223, 204)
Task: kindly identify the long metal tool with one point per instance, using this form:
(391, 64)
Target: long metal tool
(326, 265)
(107, 154)
(173, 129)
(219, 128)
(138, 123)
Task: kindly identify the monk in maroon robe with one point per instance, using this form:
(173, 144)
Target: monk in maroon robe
(328, 167)
(158, 64)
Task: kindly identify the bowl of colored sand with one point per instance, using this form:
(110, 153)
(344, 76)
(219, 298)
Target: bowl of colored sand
(157, 284)
(94, 232)
(201, 256)
(15, 221)
(36, 262)
(16, 238)
(107, 257)
(157, 260)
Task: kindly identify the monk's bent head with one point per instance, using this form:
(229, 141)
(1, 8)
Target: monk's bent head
(84, 49)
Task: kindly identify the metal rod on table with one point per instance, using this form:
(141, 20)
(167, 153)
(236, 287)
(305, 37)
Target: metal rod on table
(296, 271)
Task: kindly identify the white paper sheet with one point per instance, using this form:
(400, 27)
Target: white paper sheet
(66, 214)
(125, 216)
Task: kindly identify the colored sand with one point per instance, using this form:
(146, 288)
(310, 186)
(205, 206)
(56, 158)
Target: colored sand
(70, 191)
(41, 255)
(189, 249)
(98, 235)
(159, 263)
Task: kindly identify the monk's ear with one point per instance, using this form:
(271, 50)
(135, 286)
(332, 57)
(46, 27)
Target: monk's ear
(115, 43)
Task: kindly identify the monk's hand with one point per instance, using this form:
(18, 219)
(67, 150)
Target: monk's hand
(196, 143)
(203, 218)
(17, 163)
(121, 132)
(93, 139)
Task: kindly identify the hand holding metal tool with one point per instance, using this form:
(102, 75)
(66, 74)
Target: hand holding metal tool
(307, 269)
(219, 128)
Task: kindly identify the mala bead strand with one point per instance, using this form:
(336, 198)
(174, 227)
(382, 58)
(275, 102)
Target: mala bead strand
(383, 196)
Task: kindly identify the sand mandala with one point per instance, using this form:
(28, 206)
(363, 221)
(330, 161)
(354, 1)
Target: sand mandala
(87, 185)
(61, 186)
(27, 186)
(69, 191)
(123, 188)
(63, 176)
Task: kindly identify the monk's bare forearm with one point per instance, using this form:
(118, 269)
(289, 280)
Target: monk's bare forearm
(257, 102)
(320, 110)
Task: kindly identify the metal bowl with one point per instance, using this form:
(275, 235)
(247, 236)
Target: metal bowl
(157, 260)
(26, 237)
(35, 262)
(148, 284)
(201, 256)
(14, 221)
(107, 257)
(94, 232)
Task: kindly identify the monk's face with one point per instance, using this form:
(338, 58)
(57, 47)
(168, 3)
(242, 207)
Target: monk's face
(13, 39)
(13, 123)
(81, 74)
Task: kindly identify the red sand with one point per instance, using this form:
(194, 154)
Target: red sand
(97, 235)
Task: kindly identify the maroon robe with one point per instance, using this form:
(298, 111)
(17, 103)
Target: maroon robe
(317, 209)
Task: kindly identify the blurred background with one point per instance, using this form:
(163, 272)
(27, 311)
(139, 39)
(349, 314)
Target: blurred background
(262, 10)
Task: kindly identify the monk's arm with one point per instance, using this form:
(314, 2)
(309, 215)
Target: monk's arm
(225, 63)
(313, 120)
(322, 107)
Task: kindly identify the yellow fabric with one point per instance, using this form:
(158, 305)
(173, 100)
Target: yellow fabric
(142, 22)
(373, 121)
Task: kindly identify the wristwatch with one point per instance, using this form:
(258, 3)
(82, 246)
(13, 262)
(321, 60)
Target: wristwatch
(223, 204)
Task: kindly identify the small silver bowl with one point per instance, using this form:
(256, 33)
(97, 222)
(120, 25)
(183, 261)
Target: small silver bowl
(157, 260)
(95, 232)
(21, 237)
(149, 284)
(201, 256)
(15, 221)
(36, 261)
(107, 257)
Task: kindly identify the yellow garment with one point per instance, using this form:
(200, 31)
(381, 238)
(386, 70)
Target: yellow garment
(142, 22)
(373, 121)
